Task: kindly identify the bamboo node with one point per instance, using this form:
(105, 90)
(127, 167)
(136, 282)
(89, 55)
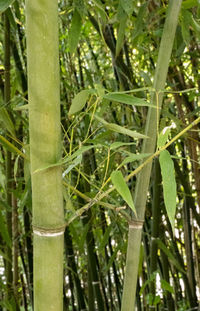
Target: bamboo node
(136, 224)
(48, 232)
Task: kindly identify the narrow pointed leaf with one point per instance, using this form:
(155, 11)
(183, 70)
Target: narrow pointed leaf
(125, 131)
(127, 99)
(166, 286)
(9, 146)
(134, 157)
(169, 184)
(121, 186)
(121, 34)
(74, 32)
(119, 144)
(67, 159)
(120, 129)
(7, 122)
(169, 254)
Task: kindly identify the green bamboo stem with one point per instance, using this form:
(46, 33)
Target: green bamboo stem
(45, 149)
(7, 91)
(142, 184)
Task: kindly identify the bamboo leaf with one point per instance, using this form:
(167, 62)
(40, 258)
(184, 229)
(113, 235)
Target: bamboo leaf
(7, 122)
(127, 99)
(147, 282)
(135, 157)
(169, 184)
(22, 107)
(188, 4)
(105, 238)
(125, 131)
(67, 159)
(120, 129)
(74, 163)
(74, 32)
(119, 144)
(5, 4)
(121, 186)
(163, 136)
(112, 258)
(139, 24)
(166, 286)
(127, 5)
(169, 254)
(185, 26)
(9, 146)
(79, 101)
(121, 33)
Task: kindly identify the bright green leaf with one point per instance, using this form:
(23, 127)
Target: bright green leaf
(74, 32)
(166, 286)
(188, 4)
(4, 4)
(127, 99)
(163, 136)
(121, 186)
(79, 101)
(169, 185)
(120, 129)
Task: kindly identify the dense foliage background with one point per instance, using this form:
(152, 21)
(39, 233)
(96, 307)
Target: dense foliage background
(105, 47)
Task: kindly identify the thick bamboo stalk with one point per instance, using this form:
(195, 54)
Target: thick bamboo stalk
(45, 149)
(142, 184)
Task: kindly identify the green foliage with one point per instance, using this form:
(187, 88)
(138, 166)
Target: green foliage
(75, 31)
(5, 4)
(169, 185)
(79, 101)
(109, 52)
(121, 186)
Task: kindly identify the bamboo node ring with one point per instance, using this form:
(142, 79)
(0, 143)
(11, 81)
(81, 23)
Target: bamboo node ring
(136, 224)
(48, 232)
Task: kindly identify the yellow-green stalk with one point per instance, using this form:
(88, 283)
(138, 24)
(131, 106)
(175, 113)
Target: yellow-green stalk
(142, 184)
(45, 149)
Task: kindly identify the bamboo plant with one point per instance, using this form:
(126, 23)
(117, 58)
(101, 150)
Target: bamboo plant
(142, 184)
(45, 149)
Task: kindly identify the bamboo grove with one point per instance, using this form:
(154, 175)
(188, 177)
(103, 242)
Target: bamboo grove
(99, 155)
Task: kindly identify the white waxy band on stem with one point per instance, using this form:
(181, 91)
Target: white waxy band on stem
(136, 224)
(48, 232)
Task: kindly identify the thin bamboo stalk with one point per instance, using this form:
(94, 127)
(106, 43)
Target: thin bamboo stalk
(142, 184)
(45, 149)
(7, 91)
